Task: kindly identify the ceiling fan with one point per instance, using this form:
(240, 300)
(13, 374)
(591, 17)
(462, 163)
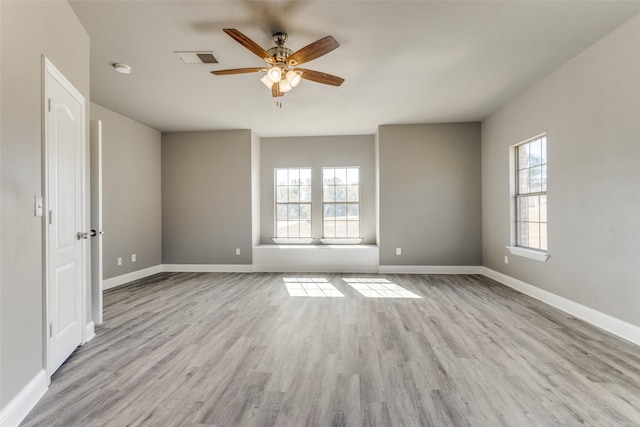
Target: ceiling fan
(282, 72)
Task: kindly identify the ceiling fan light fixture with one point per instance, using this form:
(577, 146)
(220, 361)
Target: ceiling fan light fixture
(285, 86)
(267, 81)
(294, 78)
(275, 74)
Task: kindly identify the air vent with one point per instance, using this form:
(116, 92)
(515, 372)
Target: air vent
(197, 57)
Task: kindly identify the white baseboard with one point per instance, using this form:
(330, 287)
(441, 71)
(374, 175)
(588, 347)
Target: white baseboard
(208, 268)
(430, 269)
(18, 408)
(315, 268)
(134, 275)
(610, 324)
(90, 332)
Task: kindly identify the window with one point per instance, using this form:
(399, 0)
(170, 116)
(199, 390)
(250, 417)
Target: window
(341, 202)
(531, 194)
(293, 203)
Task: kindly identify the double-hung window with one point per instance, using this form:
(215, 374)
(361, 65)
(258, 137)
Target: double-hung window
(531, 194)
(341, 202)
(293, 203)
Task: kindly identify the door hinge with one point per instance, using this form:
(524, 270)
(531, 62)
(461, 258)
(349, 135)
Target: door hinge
(49, 105)
(50, 330)
(50, 216)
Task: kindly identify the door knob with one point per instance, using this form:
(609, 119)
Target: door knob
(81, 235)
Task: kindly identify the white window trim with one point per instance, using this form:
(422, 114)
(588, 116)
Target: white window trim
(341, 241)
(292, 240)
(513, 248)
(529, 253)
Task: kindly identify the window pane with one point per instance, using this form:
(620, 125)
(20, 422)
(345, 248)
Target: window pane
(341, 211)
(341, 176)
(305, 176)
(353, 229)
(544, 178)
(329, 229)
(282, 228)
(294, 229)
(305, 228)
(341, 193)
(293, 212)
(281, 177)
(523, 182)
(353, 211)
(534, 235)
(294, 176)
(522, 209)
(294, 193)
(533, 211)
(329, 193)
(305, 212)
(543, 208)
(282, 194)
(523, 236)
(535, 179)
(543, 143)
(281, 212)
(305, 193)
(523, 156)
(353, 176)
(352, 193)
(535, 153)
(327, 176)
(341, 228)
(329, 211)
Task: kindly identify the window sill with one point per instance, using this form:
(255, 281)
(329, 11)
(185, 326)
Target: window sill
(529, 253)
(292, 241)
(351, 241)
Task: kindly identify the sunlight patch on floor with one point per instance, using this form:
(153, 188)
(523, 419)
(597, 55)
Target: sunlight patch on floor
(310, 287)
(379, 288)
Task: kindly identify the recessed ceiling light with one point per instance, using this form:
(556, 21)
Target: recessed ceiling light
(122, 68)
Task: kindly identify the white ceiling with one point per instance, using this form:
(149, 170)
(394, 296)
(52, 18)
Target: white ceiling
(403, 61)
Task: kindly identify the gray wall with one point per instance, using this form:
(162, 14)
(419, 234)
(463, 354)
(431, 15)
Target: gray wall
(317, 152)
(206, 197)
(29, 30)
(131, 181)
(430, 194)
(590, 109)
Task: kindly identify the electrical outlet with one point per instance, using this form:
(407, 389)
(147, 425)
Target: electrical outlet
(133, 257)
(506, 259)
(119, 260)
(237, 251)
(398, 251)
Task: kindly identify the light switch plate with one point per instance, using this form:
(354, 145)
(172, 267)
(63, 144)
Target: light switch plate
(37, 206)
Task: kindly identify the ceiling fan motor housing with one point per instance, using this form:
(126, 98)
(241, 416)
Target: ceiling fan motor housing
(280, 53)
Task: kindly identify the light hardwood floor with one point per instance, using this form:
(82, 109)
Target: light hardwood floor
(219, 349)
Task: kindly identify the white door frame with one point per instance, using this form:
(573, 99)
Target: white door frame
(50, 70)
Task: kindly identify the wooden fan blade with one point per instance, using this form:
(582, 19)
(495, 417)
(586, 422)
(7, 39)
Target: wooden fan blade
(320, 77)
(238, 71)
(275, 90)
(249, 44)
(313, 51)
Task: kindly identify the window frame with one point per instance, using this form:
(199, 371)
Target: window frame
(276, 204)
(341, 239)
(516, 247)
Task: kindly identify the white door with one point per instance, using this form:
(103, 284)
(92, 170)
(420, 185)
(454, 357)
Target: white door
(96, 221)
(64, 164)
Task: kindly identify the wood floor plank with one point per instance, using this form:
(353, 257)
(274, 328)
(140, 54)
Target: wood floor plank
(231, 349)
